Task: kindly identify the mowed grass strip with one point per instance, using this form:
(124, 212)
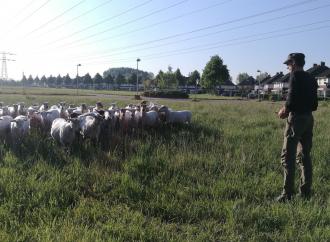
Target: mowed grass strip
(214, 180)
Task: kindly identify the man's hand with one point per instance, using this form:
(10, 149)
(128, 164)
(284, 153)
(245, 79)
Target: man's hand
(283, 113)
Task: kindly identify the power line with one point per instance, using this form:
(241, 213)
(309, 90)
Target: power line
(101, 22)
(31, 14)
(205, 35)
(210, 26)
(77, 17)
(242, 37)
(131, 21)
(56, 17)
(24, 8)
(226, 23)
(250, 41)
(162, 22)
(157, 56)
(216, 44)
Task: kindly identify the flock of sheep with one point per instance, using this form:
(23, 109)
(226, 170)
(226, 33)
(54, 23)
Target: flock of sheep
(65, 123)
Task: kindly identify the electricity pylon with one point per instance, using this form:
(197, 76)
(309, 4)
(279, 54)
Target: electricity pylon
(4, 59)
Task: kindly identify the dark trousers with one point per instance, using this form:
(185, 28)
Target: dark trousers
(297, 147)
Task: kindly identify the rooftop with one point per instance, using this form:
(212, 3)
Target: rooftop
(324, 74)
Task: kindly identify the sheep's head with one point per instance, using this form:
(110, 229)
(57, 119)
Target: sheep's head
(99, 105)
(75, 124)
(162, 113)
(43, 114)
(163, 109)
(143, 108)
(19, 122)
(122, 112)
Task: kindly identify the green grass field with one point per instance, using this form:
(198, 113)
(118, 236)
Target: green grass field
(214, 180)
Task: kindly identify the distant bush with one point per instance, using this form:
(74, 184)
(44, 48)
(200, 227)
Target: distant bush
(166, 94)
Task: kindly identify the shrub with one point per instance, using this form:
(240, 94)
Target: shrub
(166, 94)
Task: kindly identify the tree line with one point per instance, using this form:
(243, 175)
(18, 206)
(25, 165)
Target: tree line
(215, 73)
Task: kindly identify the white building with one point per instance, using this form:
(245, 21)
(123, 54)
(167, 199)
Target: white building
(323, 80)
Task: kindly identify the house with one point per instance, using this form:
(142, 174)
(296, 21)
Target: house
(320, 73)
(282, 85)
(228, 88)
(323, 80)
(247, 85)
(268, 84)
(316, 69)
(262, 82)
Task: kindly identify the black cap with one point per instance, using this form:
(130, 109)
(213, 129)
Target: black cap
(296, 57)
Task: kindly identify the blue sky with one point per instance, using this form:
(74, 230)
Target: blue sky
(49, 37)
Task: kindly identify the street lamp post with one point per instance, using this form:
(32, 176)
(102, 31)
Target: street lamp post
(137, 75)
(259, 86)
(325, 91)
(196, 90)
(77, 78)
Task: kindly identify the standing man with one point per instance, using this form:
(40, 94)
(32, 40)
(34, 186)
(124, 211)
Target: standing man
(298, 134)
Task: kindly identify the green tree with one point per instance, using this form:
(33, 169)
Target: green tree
(24, 80)
(67, 80)
(87, 80)
(180, 79)
(241, 77)
(108, 80)
(132, 79)
(51, 81)
(59, 81)
(37, 81)
(215, 73)
(98, 80)
(120, 79)
(262, 76)
(30, 80)
(160, 80)
(43, 81)
(193, 77)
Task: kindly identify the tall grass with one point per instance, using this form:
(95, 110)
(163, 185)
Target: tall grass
(214, 180)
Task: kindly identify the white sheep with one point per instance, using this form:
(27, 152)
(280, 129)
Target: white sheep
(79, 111)
(21, 109)
(148, 118)
(44, 107)
(36, 119)
(49, 116)
(5, 127)
(126, 119)
(90, 125)
(64, 132)
(19, 128)
(4, 111)
(13, 110)
(173, 117)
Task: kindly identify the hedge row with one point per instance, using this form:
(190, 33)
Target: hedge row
(166, 94)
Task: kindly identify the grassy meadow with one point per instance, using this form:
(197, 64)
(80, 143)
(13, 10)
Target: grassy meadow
(213, 180)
